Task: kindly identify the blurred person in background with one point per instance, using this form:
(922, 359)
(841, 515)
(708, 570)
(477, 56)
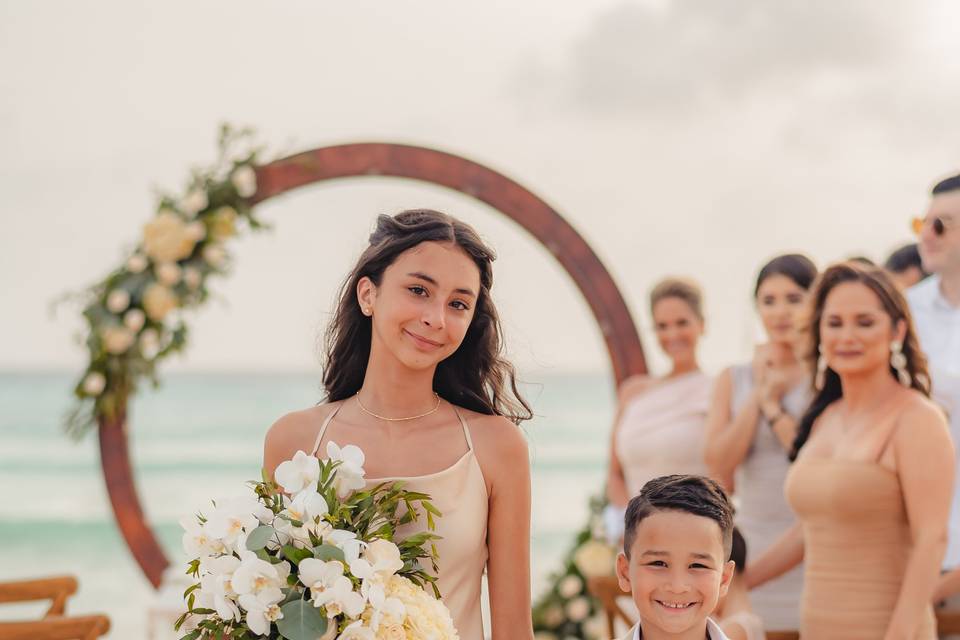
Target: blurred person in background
(659, 424)
(753, 421)
(905, 266)
(873, 470)
(935, 304)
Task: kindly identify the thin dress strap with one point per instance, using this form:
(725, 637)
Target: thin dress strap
(466, 431)
(323, 427)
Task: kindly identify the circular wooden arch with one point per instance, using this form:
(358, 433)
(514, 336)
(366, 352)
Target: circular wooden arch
(417, 163)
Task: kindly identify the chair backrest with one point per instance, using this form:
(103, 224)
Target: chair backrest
(56, 589)
(56, 628)
(606, 590)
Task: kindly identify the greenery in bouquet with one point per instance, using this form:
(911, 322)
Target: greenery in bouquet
(134, 316)
(315, 555)
(566, 610)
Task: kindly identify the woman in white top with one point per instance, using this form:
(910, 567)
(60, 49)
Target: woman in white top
(659, 426)
(752, 424)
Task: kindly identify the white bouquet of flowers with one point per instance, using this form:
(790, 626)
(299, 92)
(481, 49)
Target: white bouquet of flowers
(314, 556)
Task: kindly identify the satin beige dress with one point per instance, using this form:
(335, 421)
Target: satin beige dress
(856, 545)
(460, 494)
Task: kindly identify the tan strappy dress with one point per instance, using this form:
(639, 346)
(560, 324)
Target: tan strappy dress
(460, 494)
(856, 545)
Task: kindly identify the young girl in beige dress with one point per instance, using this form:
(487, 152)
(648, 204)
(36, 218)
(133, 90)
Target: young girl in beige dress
(873, 476)
(414, 375)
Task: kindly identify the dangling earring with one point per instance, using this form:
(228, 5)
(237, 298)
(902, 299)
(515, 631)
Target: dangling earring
(899, 362)
(821, 378)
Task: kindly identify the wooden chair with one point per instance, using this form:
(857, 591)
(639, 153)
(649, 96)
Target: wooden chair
(54, 625)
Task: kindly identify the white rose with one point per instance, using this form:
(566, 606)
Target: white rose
(165, 238)
(149, 343)
(136, 263)
(594, 558)
(553, 616)
(168, 273)
(192, 278)
(197, 231)
(244, 179)
(194, 202)
(117, 340)
(134, 320)
(223, 223)
(570, 586)
(118, 300)
(94, 383)
(214, 255)
(158, 301)
(578, 609)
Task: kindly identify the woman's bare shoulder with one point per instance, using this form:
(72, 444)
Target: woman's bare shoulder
(294, 431)
(634, 385)
(495, 436)
(920, 412)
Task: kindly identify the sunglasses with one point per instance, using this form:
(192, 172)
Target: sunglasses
(936, 223)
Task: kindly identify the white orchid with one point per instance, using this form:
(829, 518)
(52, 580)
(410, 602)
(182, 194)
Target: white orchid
(244, 179)
(307, 507)
(198, 541)
(297, 474)
(380, 560)
(349, 473)
(216, 586)
(346, 541)
(259, 614)
(260, 579)
(329, 588)
(236, 517)
(382, 607)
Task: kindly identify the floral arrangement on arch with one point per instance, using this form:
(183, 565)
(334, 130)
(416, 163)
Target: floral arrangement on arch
(315, 556)
(134, 315)
(567, 609)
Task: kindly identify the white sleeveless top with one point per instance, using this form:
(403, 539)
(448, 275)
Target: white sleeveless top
(460, 494)
(763, 514)
(661, 430)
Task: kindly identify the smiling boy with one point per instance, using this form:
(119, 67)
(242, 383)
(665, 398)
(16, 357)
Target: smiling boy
(675, 559)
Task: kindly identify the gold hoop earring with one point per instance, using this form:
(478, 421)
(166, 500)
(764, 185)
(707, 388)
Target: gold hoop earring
(899, 363)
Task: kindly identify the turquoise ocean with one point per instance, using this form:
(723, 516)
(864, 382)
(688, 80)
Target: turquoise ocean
(200, 436)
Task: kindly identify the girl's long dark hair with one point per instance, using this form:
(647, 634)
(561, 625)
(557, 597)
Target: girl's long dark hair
(477, 376)
(896, 307)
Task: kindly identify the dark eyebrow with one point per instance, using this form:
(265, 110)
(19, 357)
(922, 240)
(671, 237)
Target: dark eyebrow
(422, 276)
(698, 556)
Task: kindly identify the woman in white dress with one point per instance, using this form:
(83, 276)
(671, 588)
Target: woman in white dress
(659, 426)
(752, 424)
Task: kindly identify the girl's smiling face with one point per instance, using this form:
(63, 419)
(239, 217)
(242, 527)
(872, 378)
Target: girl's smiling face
(423, 307)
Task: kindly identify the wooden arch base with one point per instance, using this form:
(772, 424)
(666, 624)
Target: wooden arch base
(426, 165)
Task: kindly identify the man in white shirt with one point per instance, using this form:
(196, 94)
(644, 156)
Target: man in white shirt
(935, 305)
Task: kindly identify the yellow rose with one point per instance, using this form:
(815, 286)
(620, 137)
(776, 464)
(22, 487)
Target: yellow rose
(166, 238)
(117, 340)
(222, 223)
(391, 632)
(594, 558)
(158, 301)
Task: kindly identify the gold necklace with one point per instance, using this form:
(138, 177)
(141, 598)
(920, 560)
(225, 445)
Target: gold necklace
(422, 415)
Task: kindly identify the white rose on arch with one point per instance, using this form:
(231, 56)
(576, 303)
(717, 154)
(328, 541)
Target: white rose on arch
(117, 301)
(166, 239)
(244, 180)
(158, 301)
(117, 340)
(94, 383)
(194, 202)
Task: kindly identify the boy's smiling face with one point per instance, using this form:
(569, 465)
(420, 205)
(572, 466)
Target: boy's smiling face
(676, 572)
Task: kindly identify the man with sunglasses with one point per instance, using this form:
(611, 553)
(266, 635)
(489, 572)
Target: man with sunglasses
(935, 305)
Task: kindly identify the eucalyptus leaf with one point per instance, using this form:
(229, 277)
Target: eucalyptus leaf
(327, 552)
(301, 621)
(259, 537)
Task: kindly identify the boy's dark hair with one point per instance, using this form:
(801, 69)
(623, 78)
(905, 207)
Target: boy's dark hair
(696, 495)
(738, 552)
(949, 184)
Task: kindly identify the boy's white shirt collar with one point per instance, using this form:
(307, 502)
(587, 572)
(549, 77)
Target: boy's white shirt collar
(713, 632)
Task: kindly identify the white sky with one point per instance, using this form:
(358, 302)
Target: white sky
(678, 136)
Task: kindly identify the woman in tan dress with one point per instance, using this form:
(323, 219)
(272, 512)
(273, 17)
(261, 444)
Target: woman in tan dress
(872, 480)
(415, 377)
